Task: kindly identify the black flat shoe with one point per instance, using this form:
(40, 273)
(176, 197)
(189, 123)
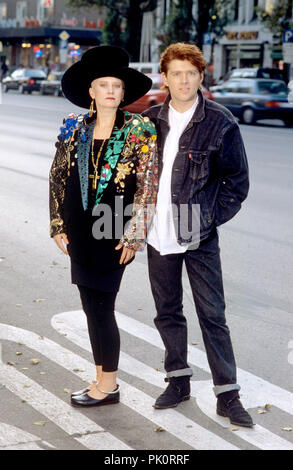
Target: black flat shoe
(80, 392)
(83, 391)
(86, 400)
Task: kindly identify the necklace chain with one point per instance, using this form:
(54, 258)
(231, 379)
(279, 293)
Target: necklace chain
(95, 176)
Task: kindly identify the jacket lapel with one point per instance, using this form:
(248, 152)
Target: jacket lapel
(84, 142)
(114, 149)
(113, 152)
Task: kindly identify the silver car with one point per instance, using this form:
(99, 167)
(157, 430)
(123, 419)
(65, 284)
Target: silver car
(254, 99)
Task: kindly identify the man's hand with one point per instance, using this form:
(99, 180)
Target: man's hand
(126, 254)
(62, 241)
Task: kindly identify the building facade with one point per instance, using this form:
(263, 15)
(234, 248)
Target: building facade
(247, 43)
(46, 33)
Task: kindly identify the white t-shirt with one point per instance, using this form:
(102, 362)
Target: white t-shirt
(162, 235)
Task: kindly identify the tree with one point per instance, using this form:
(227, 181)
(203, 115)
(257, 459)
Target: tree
(178, 26)
(278, 18)
(129, 12)
(182, 26)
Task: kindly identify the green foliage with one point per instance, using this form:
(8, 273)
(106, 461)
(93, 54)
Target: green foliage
(278, 19)
(213, 16)
(129, 12)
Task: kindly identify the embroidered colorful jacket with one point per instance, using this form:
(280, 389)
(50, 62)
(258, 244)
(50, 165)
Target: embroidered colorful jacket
(129, 172)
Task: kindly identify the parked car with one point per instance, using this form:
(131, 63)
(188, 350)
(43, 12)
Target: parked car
(52, 86)
(152, 97)
(156, 95)
(260, 72)
(254, 99)
(24, 80)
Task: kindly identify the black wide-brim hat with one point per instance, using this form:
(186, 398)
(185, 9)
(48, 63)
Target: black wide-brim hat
(103, 61)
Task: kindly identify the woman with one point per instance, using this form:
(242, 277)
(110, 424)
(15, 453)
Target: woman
(104, 174)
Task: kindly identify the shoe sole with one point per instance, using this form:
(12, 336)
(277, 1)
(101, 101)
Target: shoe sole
(78, 405)
(225, 415)
(160, 407)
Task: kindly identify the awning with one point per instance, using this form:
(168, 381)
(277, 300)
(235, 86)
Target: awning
(75, 34)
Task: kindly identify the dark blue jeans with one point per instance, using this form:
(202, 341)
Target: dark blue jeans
(204, 271)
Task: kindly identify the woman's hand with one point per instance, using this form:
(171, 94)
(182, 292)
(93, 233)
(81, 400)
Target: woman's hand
(61, 241)
(126, 254)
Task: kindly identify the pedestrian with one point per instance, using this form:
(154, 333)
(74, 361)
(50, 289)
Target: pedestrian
(103, 176)
(202, 163)
(4, 68)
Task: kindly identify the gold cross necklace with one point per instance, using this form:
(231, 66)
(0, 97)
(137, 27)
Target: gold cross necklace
(95, 177)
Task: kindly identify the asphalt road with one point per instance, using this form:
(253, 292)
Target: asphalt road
(45, 348)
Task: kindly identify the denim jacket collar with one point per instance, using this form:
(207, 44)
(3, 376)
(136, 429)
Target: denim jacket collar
(198, 115)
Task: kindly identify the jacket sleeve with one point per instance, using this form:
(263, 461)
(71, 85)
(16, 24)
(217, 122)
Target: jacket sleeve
(233, 168)
(57, 182)
(146, 193)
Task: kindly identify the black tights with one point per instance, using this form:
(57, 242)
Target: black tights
(103, 330)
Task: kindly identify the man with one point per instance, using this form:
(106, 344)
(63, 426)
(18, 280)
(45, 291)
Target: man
(202, 163)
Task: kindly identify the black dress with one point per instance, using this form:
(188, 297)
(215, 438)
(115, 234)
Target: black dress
(88, 275)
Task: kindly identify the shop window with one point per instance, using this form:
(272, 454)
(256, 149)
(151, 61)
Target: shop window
(3, 11)
(270, 4)
(45, 9)
(255, 5)
(21, 12)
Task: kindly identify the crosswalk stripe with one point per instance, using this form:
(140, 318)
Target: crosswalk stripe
(172, 421)
(255, 390)
(73, 324)
(12, 438)
(56, 410)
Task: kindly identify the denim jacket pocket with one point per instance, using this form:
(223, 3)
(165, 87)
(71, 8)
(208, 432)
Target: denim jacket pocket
(198, 169)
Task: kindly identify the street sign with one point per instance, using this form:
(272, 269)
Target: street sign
(64, 35)
(288, 36)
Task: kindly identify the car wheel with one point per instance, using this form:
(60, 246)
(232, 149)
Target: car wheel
(5, 88)
(21, 89)
(56, 92)
(288, 122)
(248, 116)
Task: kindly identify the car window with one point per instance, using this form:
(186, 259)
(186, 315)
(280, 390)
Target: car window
(244, 73)
(17, 74)
(272, 88)
(35, 73)
(244, 86)
(230, 87)
(270, 73)
(156, 83)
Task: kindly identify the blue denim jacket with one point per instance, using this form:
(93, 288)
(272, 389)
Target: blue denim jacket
(210, 168)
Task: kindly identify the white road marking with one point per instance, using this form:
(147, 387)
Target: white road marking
(13, 438)
(56, 410)
(254, 390)
(172, 421)
(73, 324)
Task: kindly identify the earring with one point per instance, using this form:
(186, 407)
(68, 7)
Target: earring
(91, 111)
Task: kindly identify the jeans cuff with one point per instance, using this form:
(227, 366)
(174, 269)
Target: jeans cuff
(180, 373)
(225, 388)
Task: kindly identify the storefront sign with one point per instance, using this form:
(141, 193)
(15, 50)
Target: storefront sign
(89, 24)
(69, 21)
(11, 23)
(31, 23)
(242, 35)
(14, 23)
(47, 3)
